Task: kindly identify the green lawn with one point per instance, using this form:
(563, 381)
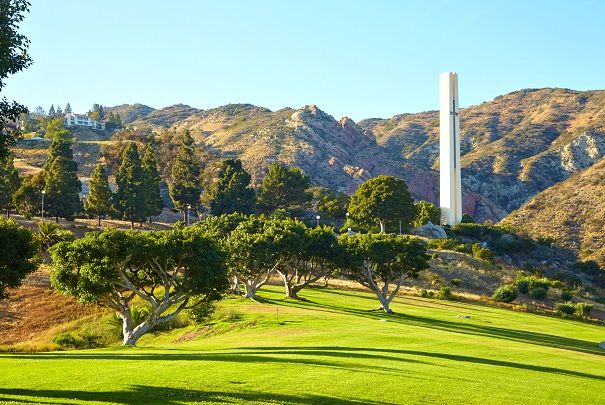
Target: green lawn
(332, 349)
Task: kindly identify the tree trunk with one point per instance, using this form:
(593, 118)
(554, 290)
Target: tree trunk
(131, 223)
(131, 336)
(57, 219)
(251, 288)
(8, 213)
(382, 227)
(99, 222)
(292, 292)
(384, 303)
(235, 285)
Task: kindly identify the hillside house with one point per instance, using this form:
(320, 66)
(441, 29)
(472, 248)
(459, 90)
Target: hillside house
(80, 120)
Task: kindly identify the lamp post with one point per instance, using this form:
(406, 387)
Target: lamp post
(317, 218)
(43, 192)
(188, 208)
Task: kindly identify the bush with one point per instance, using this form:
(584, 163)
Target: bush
(448, 244)
(527, 283)
(566, 295)
(426, 294)
(467, 219)
(66, 340)
(201, 312)
(538, 293)
(506, 293)
(583, 309)
(483, 253)
(523, 285)
(445, 293)
(86, 341)
(456, 281)
(435, 279)
(565, 308)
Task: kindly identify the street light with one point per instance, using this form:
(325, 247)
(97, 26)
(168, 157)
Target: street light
(188, 208)
(43, 192)
(318, 218)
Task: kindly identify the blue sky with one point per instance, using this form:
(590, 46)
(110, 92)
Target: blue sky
(355, 58)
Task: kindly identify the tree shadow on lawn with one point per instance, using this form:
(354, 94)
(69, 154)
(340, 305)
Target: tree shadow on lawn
(536, 338)
(314, 350)
(165, 395)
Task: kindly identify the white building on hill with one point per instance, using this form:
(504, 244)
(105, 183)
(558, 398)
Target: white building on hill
(79, 120)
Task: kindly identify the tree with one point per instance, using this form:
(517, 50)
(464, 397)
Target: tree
(51, 111)
(184, 189)
(9, 183)
(153, 202)
(28, 196)
(232, 192)
(55, 129)
(317, 255)
(68, 109)
(129, 199)
(284, 188)
(61, 176)
(380, 201)
(169, 270)
(99, 200)
(333, 206)
(59, 112)
(259, 246)
(97, 113)
(382, 261)
(13, 59)
(18, 257)
(426, 212)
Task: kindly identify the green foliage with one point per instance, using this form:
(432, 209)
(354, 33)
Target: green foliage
(185, 187)
(201, 312)
(99, 199)
(567, 308)
(538, 293)
(232, 192)
(445, 293)
(283, 187)
(61, 177)
(333, 206)
(426, 294)
(482, 253)
(129, 199)
(383, 259)
(219, 227)
(97, 112)
(9, 182)
(448, 244)
(456, 281)
(506, 293)
(426, 212)
(28, 196)
(566, 295)
(152, 198)
(467, 219)
(13, 59)
(49, 234)
(18, 254)
(85, 341)
(583, 309)
(382, 201)
(164, 268)
(501, 239)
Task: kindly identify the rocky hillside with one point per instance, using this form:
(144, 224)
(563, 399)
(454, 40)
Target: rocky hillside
(570, 212)
(513, 146)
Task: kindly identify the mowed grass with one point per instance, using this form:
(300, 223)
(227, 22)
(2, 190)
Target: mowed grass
(332, 349)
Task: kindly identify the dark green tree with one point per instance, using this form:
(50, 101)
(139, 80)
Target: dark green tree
(13, 59)
(151, 184)
(59, 112)
(129, 199)
(51, 111)
(232, 192)
(97, 113)
(168, 270)
(68, 109)
(28, 196)
(380, 201)
(18, 257)
(382, 262)
(333, 206)
(426, 212)
(185, 187)
(61, 179)
(284, 188)
(9, 183)
(99, 200)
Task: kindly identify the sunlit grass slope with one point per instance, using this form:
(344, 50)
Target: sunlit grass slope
(332, 349)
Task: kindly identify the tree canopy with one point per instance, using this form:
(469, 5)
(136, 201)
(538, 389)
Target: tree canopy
(153, 202)
(284, 188)
(232, 192)
(185, 187)
(129, 199)
(168, 270)
(382, 201)
(9, 183)
(382, 261)
(14, 57)
(99, 199)
(18, 257)
(426, 212)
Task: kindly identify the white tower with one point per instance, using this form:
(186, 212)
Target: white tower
(450, 188)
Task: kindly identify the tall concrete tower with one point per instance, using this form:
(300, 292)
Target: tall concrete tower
(450, 188)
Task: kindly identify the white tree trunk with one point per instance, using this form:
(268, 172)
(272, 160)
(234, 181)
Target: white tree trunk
(251, 288)
(382, 227)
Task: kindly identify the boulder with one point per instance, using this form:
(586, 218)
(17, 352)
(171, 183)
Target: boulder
(602, 345)
(430, 231)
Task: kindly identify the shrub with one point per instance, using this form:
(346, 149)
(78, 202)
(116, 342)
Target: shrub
(467, 219)
(444, 293)
(471, 230)
(538, 293)
(566, 295)
(86, 341)
(448, 244)
(435, 279)
(201, 312)
(565, 308)
(506, 293)
(523, 285)
(426, 294)
(66, 340)
(90, 341)
(456, 281)
(483, 253)
(434, 256)
(582, 309)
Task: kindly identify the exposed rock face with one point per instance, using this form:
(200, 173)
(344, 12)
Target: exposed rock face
(430, 231)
